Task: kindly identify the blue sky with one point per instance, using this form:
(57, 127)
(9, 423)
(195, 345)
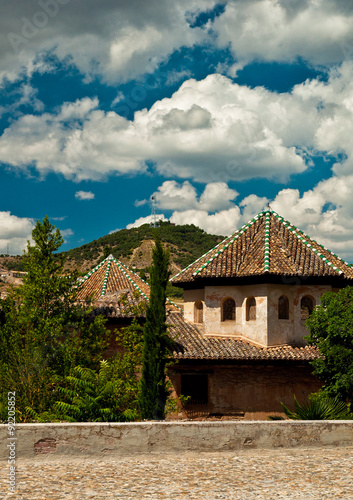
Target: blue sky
(215, 108)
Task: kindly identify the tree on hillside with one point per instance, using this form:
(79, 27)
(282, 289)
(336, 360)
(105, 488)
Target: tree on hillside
(331, 330)
(44, 334)
(153, 391)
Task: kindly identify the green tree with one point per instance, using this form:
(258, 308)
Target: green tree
(156, 343)
(44, 334)
(331, 330)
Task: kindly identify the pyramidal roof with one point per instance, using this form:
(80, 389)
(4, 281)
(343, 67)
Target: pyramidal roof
(267, 245)
(112, 281)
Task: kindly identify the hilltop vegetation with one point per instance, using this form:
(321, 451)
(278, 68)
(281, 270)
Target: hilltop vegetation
(186, 244)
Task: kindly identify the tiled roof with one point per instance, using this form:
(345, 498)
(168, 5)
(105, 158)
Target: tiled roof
(267, 244)
(191, 344)
(114, 288)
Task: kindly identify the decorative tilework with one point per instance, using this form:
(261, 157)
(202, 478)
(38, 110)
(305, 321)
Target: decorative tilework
(267, 244)
(113, 280)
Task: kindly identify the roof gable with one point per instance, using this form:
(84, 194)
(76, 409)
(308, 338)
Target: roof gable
(114, 284)
(110, 276)
(267, 244)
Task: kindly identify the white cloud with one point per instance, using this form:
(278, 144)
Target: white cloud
(66, 233)
(115, 41)
(145, 220)
(14, 233)
(211, 131)
(84, 195)
(172, 195)
(223, 222)
(318, 31)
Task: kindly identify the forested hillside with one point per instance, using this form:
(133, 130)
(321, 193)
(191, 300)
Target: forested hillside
(186, 244)
(134, 248)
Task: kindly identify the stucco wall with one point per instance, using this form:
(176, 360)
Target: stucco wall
(293, 330)
(267, 330)
(59, 441)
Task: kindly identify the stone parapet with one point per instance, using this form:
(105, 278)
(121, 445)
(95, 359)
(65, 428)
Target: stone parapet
(55, 441)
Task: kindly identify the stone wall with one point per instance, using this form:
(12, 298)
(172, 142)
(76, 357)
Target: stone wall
(85, 440)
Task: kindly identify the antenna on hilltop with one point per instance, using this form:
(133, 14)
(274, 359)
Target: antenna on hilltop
(154, 216)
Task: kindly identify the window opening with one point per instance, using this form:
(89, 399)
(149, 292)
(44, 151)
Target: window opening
(198, 312)
(283, 307)
(228, 310)
(251, 309)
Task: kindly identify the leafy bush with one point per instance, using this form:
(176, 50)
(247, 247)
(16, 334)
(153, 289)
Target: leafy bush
(319, 407)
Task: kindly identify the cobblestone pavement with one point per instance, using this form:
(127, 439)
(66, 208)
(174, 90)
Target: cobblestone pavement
(310, 474)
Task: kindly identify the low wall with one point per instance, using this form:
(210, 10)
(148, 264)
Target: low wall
(83, 440)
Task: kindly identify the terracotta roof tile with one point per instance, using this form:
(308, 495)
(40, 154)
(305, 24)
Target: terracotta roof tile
(268, 244)
(190, 343)
(113, 288)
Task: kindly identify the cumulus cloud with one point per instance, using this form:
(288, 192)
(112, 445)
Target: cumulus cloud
(172, 195)
(84, 195)
(115, 41)
(319, 32)
(14, 232)
(211, 131)
(213, 211)
(223, 222)
(145, 220)
(324, 212)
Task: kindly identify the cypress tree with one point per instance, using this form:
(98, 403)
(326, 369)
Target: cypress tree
(153, 392)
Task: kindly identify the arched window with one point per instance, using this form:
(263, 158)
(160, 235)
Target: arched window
(228, 310)
(283, 307)
(306, 307)
(250, 309)
(198, 312)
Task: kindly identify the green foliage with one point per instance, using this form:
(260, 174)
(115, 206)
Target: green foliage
(319, 407)
(156, 344)
(109, 395)
(331, 330)
(43, 333)
(174, 291)
(89, 396)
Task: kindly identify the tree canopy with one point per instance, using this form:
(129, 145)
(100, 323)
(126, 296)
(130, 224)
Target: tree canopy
(331, 330)
(44, 333)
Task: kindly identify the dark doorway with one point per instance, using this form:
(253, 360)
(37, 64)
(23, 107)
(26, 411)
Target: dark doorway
(195, 386)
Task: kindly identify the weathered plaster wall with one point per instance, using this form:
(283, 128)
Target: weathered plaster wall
(190, 297)
(267, 329)
(254, 330)
(44, 442)
(292, 330)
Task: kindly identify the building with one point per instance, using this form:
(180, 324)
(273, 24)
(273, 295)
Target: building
(245, 304)
(239, 344)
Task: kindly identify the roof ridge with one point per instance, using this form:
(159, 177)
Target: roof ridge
(237, 233)
(202, 256)
(135, 274)
(89, 274)
(123, 268)
(297, 230)
(106, 279)
(267, 242)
